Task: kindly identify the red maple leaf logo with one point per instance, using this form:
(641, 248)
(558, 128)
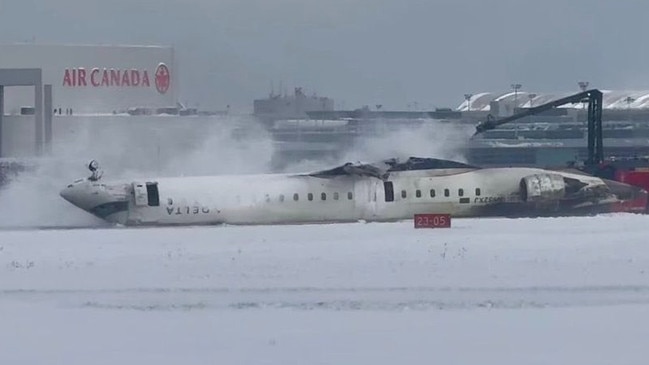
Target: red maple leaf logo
(162, 78)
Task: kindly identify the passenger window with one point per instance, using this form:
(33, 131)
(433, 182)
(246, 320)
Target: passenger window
(323, 196)
(336, 196)
(447, 192)
(350, 196)
(418, 193)
(460, 192)
(403, 194)
(296, 196)
(432, 193)
(281, 197)
(309, 196)
(477, 191)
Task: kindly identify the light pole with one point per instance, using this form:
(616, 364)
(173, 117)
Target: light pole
(628, 101)
(583, 85)
(531, 96)
(516, 87)
(468, 97)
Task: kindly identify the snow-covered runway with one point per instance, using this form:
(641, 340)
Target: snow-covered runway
(562, 290)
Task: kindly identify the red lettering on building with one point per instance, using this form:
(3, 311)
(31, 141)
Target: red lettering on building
(67, 79)
(145, 79)
(114, 77)
(94, 76)
(135, 78)
(125, 80)
(82, 77)
(105, 81)
(74, 77)
(104, 77)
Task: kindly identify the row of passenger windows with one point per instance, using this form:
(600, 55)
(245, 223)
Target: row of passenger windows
(309, 196)
(350, 196)
(447, 193)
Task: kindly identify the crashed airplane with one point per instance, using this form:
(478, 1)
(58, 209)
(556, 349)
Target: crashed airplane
(386, 191)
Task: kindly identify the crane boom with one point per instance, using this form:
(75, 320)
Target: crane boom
(595, 138)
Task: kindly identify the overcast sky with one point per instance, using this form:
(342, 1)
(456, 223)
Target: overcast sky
(360, 52)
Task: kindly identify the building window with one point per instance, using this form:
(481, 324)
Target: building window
(336, 196)
(460, 192)
(296, 196)
(418, 193)
(447, 192)
(310, 196)
(477, 191)
(350, 196)
(323, 196)
(403, 194)
(432, 193)
(281, 197)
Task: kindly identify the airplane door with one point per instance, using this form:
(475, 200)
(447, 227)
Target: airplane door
(140, 194)
(388, 187)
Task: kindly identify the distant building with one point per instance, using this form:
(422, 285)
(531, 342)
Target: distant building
(294, 106)
(94, 78)
(505, 104)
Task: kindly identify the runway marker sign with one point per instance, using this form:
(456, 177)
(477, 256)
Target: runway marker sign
(432, 220)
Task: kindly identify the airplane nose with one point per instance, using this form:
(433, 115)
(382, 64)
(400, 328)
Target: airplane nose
(71, 194)
(98, 199)
(81, 194)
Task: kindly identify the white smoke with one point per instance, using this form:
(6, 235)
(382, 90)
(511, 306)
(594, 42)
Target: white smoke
(233, 146)
(127, 148)
(432, 138)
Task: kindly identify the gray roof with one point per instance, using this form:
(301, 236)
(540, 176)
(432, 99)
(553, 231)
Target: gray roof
(612, 99)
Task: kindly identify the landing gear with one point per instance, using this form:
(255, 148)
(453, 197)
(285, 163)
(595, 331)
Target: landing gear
(93, 166)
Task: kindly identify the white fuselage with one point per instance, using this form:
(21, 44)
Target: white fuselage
(290, 198)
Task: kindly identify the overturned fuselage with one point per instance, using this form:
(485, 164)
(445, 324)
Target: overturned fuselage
(373, 192)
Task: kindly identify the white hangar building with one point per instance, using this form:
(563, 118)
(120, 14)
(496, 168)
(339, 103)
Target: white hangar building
(94, 79)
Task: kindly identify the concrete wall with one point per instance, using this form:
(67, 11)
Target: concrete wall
(76, 74)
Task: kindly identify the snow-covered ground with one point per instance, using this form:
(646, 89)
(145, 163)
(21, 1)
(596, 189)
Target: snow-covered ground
(488, 291)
